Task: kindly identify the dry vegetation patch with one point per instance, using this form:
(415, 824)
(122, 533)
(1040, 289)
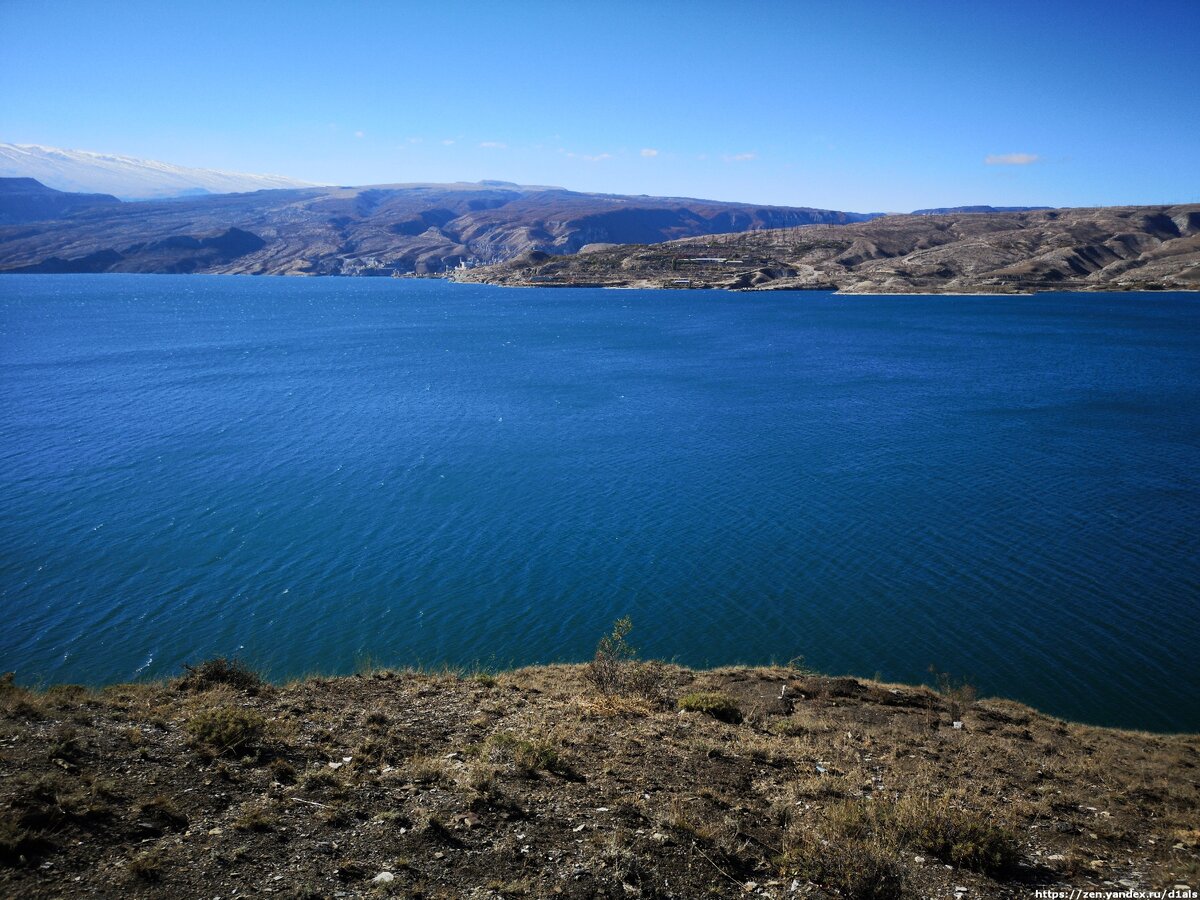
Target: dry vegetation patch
(573, 781)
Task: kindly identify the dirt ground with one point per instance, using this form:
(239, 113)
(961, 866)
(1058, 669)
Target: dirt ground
(544, 782)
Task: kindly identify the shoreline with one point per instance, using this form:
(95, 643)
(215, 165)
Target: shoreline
(827, 290)
(450, 279)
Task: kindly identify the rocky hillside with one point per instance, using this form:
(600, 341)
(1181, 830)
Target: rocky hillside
(399, 229)
(615, 780)
(1112, 248)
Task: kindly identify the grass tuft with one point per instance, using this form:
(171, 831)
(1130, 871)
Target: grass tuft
(227, 730)
(719, 706)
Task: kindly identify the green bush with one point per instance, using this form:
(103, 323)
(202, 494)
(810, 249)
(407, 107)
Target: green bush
(719, 706)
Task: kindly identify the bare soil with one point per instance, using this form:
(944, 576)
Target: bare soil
(534, 783)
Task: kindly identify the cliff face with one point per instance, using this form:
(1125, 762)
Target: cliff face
(1112, 248)
(656, 782)
(419, 229)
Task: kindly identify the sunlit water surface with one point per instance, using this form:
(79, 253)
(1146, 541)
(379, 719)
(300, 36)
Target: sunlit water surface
(316, 474)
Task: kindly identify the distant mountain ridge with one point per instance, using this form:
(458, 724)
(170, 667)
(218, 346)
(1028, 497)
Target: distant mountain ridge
(125, 176)
(948, 210)
(27, 200)
(374, 230)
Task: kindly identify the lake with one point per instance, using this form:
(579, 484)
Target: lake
(317, 475)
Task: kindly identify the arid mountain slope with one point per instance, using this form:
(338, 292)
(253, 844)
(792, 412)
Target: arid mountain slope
(421, 228)
(1112, 248)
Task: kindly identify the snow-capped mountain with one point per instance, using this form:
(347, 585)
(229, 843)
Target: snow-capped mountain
(124, 176)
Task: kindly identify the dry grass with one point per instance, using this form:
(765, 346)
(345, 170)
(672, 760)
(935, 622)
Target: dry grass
(521, 779)
(227, 730)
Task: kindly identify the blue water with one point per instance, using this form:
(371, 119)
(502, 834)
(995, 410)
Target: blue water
(313, 474)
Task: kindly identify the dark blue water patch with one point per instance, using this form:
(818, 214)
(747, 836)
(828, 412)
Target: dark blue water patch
(310, 473)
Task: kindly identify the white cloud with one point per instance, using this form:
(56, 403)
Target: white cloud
(1011, 159)
(447, 142)
(494, 145)
(649, 152)
(740, 157)
(416, 140)
(360, 134)
(598, 157)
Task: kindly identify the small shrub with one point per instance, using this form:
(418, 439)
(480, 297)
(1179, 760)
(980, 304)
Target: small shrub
(227, 730)
(350, 870)
(147, 866)
(65, 745)
(959, 692)
(857, 869)
(958, 836)
(615, 669)
(800, 667)
(65, 696)
(255, 817)
(21, 846)
(338, 815)
(17, 702)
(429, 770)
(283, 771)
(213, 672)
(42, 807)
(376, 720)
(955, 835)
(316, 779)
(480, 781)
(528, 757)
(719, 706)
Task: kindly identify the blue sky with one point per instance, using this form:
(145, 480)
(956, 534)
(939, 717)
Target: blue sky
(848, 105)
